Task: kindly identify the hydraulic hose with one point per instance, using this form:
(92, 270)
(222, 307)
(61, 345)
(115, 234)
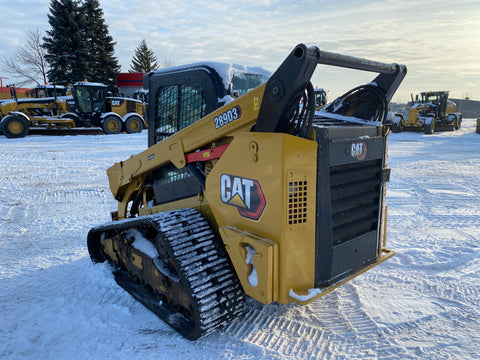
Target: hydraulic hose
(301, 112)
(366, 102)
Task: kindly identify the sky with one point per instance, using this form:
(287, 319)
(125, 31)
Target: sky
(438, 40)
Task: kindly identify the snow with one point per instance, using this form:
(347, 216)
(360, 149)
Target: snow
(252, 277)
(311, 294)
(43, 100)
(226, 70)
(225, 100)
(330, 115)
(8, 101)
(142, 244)
(89, 83)
(421, 304)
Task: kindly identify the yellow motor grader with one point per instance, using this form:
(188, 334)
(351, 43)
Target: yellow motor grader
(94, 106)
(17, 115)
(430, 111)
(89, 110)
(254, 195)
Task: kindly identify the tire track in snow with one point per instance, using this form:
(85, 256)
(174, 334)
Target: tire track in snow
(73, 195)
(42, 174)
(315, 331)
(411, 320)
(319, 331)
(280, 336)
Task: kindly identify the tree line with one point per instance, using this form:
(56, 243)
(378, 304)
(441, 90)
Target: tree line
(77, 46)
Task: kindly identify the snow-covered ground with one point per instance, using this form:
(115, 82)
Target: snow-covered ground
(56, 304)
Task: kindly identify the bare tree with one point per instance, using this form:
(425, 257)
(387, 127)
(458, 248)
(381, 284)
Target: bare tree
(28, 64)
(167, 63)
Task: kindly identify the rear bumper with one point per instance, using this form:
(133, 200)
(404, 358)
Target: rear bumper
(314, 294)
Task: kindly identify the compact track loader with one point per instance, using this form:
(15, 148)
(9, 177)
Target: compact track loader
(255, 195)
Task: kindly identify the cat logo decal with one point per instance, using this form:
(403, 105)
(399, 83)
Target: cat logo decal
(243, 193)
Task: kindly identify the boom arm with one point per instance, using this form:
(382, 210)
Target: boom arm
(268, 108)
(293, 75)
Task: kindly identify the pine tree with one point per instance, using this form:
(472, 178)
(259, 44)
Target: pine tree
(65, 43)
(79, 45)
(103, 66)
(144, 59)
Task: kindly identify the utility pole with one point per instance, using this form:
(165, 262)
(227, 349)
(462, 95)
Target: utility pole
(1, 80)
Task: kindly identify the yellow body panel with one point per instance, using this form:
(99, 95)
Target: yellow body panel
(123, 106)
(32, 108)
(255, 260)
(413, 119)
(286, 166)
(52, 122)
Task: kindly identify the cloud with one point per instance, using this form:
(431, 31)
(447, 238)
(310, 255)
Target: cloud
(438, 40)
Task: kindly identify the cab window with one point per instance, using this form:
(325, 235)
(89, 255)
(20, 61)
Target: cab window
(177, 106)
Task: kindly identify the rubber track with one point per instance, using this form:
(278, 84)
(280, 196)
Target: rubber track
(202, 264)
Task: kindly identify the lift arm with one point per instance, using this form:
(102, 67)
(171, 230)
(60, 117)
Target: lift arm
(267, 108)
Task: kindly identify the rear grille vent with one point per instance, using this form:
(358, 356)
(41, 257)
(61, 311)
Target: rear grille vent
(297, 202)
(355, 196)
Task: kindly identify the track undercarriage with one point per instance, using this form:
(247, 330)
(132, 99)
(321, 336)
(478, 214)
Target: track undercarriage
(173, 264)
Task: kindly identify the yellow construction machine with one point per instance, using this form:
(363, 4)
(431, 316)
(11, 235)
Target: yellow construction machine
(430, 111)
(94, 106)
(320, 98)
(256, 194)
(90, 109)
(17, 115)
(48, 91)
